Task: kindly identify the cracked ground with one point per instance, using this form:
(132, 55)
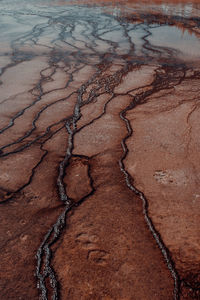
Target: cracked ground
(99, 150)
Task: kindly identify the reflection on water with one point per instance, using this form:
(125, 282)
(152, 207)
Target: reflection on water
(173, 37)
(37, 26)
(185, 8)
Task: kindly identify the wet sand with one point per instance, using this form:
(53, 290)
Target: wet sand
(99, 150)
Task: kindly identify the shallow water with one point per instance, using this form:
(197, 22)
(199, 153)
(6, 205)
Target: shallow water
(22, 23)
(186, 43)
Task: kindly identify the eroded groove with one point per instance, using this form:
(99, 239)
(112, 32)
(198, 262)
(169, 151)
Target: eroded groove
(155, 233)
(70, 40)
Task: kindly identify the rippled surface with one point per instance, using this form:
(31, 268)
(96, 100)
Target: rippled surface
(99, 148)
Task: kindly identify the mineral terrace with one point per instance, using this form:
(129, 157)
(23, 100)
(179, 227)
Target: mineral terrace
(99, 150)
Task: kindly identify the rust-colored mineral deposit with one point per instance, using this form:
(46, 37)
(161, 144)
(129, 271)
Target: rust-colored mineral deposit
(99, 150)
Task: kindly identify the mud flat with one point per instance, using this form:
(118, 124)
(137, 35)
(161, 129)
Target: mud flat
(99, 150)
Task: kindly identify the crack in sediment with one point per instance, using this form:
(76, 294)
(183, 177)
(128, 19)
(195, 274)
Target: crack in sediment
(138, 100)
(44, 251)
(154, 232)
(75, 53)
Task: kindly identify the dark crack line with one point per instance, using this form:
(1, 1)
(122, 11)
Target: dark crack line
(160, 84)
(147, 218)
(66, 24)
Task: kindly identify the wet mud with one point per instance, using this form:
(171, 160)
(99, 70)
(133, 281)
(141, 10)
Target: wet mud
(99, 150)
